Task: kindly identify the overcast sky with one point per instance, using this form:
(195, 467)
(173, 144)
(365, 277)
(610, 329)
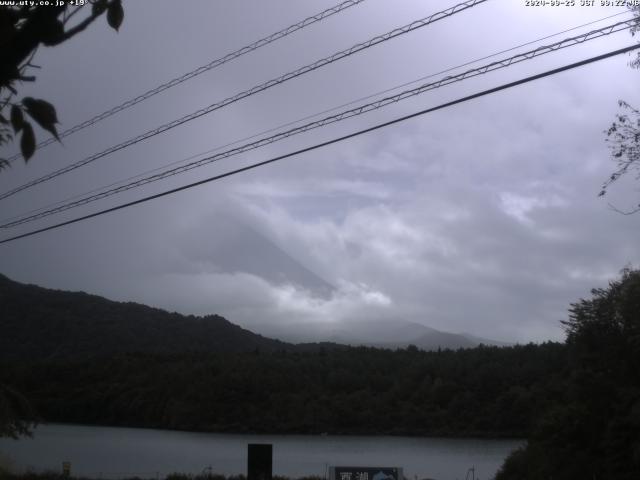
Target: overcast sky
(480, 218)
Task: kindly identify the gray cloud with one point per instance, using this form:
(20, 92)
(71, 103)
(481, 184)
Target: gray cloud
(480, 218)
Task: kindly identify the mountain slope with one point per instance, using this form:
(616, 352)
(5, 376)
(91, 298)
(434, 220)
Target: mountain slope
(381, 333)
(238, 247)
(37, 323)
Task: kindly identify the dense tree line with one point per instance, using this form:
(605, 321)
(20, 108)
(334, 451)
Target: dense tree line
(578, 403)
(486, 391)
(592, 430)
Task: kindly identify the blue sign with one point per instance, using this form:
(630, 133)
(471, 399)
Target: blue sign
(366, 473)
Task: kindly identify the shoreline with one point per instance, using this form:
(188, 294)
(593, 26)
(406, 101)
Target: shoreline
(438, 436)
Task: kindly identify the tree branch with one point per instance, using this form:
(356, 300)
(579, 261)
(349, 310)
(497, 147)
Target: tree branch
(68, 17)
(82, 25)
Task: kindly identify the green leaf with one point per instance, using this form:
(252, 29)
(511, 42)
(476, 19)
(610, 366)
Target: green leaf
(42, 112)
(27, 142)
(115, 14)
(17, 119)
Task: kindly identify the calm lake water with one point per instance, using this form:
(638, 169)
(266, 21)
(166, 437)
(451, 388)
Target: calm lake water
(117, 452)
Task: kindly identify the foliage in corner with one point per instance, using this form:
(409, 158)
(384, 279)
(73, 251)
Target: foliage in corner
(23, 28)
(17, 418)
(623, 136)
(593, 428)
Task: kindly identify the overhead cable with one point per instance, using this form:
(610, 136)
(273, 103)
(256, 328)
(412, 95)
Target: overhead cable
(252, 91)
(329, 142)
(200, 70)
(543, 50)
(308, 117)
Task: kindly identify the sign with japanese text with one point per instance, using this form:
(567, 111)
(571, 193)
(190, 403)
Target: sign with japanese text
(366, 473)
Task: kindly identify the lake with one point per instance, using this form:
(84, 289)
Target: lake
(118, 452)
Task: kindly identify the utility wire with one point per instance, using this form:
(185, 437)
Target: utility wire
(308, 117)
(200, 70)
(569, 42)
(330, 142)
(259, 88)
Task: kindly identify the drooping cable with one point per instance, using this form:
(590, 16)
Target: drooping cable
(198, 71)
(252, 91)
(369, 107)
(308, 117)
(329, 142)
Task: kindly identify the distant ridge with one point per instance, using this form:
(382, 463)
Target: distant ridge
(380, 333)
(40, 323)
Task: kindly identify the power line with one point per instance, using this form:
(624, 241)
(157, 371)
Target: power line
(330, 142)
(259, 88)
(335, 118)
(308, 117)
(543, 50)
(200, 70)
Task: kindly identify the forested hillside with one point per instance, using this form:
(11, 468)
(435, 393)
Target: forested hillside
(578, 403)
(48, 324)
(487, 391)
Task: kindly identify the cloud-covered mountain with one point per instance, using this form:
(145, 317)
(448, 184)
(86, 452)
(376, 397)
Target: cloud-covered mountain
(43, 323)
(233, 246)
(237, 247)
